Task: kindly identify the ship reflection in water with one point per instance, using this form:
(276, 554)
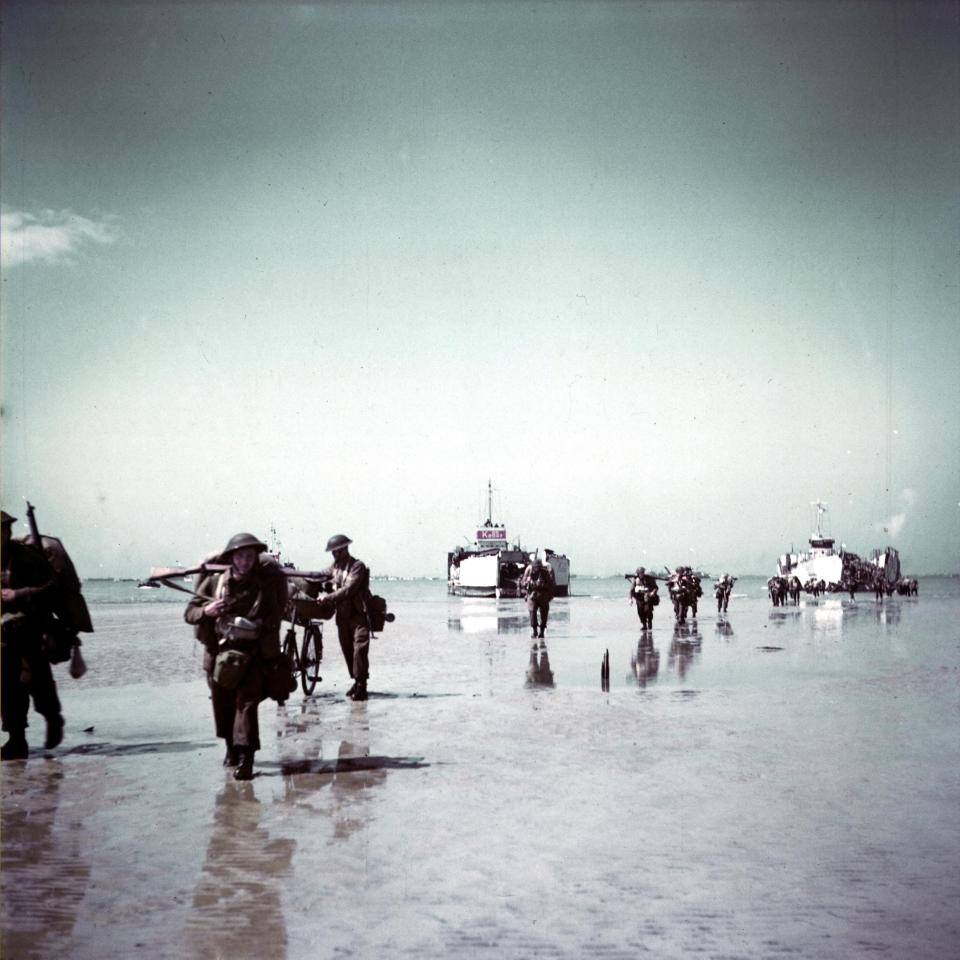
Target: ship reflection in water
(496, 621)
(828, 617)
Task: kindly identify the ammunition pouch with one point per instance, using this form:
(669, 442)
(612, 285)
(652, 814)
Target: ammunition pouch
(230, 668)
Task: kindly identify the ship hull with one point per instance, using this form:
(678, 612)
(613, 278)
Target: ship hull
(497, 573)
(839, 570)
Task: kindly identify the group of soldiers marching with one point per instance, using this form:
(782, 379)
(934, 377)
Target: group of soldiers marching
(784, 590)
(903, 586)
(684, 588)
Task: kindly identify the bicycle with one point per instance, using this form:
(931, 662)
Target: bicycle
(305, 661)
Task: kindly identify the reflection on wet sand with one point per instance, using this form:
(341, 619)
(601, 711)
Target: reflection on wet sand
(237, 904)
(888, 613)
(724, 628)
(351, 783)
(685, 646)
(349, 776)
(501, 619)
(779, 616)
(828, 619)
(539, 673)
(42, 869)
(645, 663)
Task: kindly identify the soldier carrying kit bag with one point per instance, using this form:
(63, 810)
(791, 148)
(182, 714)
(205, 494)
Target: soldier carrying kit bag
(69, 615)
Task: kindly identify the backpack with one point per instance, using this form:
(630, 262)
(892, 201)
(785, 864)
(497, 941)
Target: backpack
(68, 610)
(377, 613)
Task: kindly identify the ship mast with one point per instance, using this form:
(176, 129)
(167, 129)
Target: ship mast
(489, 503)
(821, 510)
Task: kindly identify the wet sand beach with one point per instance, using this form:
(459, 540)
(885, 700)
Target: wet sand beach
(778, 782)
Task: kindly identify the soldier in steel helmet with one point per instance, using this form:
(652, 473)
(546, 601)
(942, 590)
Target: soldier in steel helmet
(27, 596)
(351, 589)
(645, 594)
(237, 616)
(536, 584)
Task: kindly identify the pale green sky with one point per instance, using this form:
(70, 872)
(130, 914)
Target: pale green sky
(665, 272)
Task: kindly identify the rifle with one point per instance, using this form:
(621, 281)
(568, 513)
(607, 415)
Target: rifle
(34, 530)
(159, 574)
(164, 575)
(633, 576)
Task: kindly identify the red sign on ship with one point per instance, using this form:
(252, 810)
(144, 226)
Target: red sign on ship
(492, 533)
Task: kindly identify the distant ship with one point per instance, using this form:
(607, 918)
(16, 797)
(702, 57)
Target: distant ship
(492, 567)
(838, 568)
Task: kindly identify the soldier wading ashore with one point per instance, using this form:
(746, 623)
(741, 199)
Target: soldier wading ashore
(351, 592)
(536, 584)
(236, 616)
(28, 592)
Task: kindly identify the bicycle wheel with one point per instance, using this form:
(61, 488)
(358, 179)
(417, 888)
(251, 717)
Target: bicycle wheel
(290, 651)
(311, 653)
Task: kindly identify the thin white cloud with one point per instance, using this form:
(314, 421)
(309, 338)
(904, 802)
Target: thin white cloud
(50, 236)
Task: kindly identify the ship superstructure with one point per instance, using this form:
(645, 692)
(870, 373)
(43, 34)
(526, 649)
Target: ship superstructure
(838, 569)
(492, 566)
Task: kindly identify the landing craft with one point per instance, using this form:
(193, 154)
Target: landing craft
(492, 567)
(838, 567)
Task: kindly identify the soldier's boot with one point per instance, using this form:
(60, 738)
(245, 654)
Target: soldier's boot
(359, 691)
(231, 757)
(54, 732)
(15, 748)
(352, 690)
(244, 769)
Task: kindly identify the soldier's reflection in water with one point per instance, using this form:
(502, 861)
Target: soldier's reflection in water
(685, 646)
(353, 778)
(889, 613)
(307, 773)
(539, 673)
(724, 628)
(237, 908)
(44, 873)
(646, 661)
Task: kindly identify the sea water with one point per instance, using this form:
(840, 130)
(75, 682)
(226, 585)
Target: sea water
(772, 782)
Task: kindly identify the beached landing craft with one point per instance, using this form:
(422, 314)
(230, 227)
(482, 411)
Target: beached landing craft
(836, 567)
(492, 567)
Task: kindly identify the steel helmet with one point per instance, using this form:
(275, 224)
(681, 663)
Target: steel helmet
(338, 540)
(8, 519)
(240, 540)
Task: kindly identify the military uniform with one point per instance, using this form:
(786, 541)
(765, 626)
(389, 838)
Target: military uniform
(260, 597)
(722, 592)
(646, 595)
(351, 589)
(25, 670)
(536, 583)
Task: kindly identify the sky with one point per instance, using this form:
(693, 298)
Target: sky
(663, 273)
